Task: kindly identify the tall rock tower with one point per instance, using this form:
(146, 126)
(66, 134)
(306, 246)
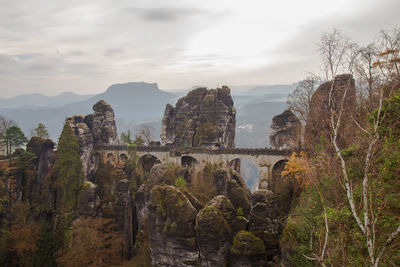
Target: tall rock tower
(318, 123)
(201, 118)
(94, 129)
(285, 131)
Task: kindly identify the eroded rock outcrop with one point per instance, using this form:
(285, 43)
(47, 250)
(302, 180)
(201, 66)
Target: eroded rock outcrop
(124, 215)
(213, 236)
(44, 166)
(94, 129)
(247, 250)
(234, 227)
(318, 128)
(285, 131)
(171, 219)
(89, 204)
(201, 118)
(265, 222)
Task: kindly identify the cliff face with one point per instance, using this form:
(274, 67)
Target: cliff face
(94, 129)
(318, 122)
(202, 117)
(233, 228)
(285, 131)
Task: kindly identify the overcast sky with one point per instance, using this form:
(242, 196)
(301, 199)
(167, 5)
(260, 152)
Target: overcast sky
(83, 46)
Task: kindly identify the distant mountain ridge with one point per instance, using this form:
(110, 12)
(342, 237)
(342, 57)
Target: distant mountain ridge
(130, 101)
(271, 89)
(135, 103)
(40, 100)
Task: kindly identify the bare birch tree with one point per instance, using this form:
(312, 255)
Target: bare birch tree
(146, 131)
(300, 99)
(334, 50)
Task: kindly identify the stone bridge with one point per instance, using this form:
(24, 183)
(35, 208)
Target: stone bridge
(266, 160)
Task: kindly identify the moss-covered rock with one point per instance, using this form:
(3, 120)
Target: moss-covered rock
(171, 220)
(239, 197)
(225, 206)
(265, 221)
(212, 236)
(247, 250)
(246, 243)
(239, 223)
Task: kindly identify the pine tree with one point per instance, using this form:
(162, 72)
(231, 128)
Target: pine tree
(46, 247)
(41, 131)
(70, 174)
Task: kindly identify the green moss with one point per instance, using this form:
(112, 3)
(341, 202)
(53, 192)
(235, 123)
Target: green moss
(176, 214)
(180, 183)
(239, 211)
(211, 223)
(245, 243)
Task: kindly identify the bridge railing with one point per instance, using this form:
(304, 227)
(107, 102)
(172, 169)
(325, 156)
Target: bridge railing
(199, 150)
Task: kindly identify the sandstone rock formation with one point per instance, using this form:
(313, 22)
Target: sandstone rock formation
(247, 250)
(285, 131)
(318, 122)
(172, 232)
(264, 220)
(201, 118)
(213, 234)
(89, 204)
(235, 228)
(44, 167)
(124, 215)
(94, 129)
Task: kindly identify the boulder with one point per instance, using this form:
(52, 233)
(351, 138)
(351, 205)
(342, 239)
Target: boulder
(159, 174)
(247, 250)
(201, 118)
(171, 220)
(213, 234)
(285, 131)
(223, 204)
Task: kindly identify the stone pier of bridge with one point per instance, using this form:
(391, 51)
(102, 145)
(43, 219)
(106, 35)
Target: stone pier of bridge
(266, 160)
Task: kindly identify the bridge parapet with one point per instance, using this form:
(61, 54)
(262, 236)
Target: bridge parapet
(199, 150)
(265, 159)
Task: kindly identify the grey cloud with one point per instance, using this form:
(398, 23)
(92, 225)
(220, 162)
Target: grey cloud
(165, 14)
(37, 65)
(113, 52)
(40, 67)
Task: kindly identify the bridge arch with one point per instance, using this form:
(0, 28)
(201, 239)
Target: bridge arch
(147, 161)
(248, 169)
(111, 158)
(123, 157)
(283, 187)
(190, 162)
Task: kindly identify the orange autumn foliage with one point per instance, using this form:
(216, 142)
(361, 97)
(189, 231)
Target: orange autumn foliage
(297, 168)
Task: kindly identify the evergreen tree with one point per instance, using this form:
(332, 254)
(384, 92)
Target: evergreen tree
(41, 131)
(69, 165)
(46, 247)
(13, 138)
(126, 137)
